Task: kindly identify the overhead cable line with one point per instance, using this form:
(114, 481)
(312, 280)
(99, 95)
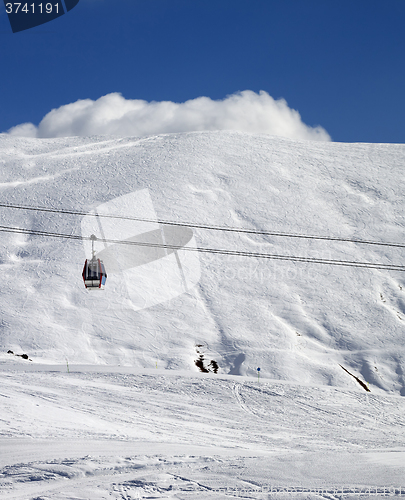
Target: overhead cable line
(204, 226)
(238, 253)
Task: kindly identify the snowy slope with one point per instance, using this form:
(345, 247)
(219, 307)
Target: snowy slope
(111, 404)
(101, 433)
(296, 321)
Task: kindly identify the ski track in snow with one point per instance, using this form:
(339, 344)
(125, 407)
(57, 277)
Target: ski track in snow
(129, 435)
(133, 418)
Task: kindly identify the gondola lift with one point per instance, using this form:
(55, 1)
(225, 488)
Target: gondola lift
(94, 275)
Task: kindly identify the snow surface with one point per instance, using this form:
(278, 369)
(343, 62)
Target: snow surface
(110, 403)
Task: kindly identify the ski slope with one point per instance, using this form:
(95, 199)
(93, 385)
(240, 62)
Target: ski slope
(110, 403)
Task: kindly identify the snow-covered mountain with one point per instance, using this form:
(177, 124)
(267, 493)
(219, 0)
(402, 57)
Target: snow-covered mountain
(124, 358)
(296, 321)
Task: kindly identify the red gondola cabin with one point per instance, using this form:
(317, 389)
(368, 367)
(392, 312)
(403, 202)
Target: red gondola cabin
(94, 275)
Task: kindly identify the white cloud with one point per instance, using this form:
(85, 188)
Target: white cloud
(24, 130)
(114, 115)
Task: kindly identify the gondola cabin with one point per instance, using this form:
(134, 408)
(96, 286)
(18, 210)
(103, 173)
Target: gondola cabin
(94, 275)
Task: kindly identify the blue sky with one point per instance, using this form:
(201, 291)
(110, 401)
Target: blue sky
(340, 64)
